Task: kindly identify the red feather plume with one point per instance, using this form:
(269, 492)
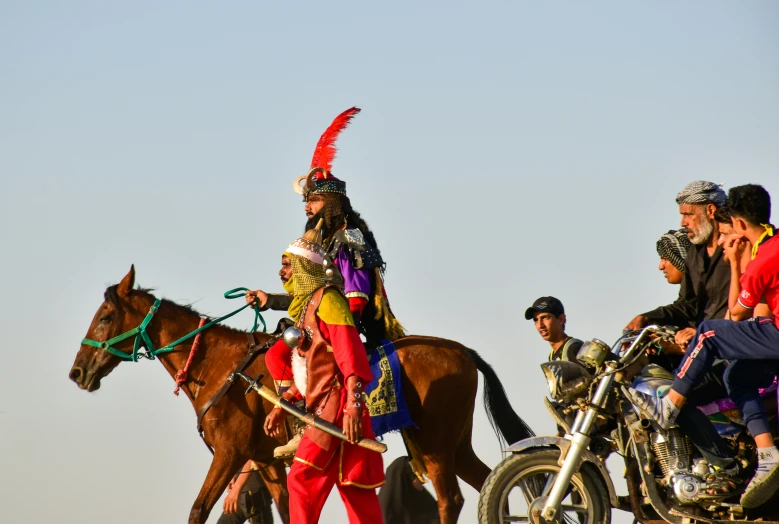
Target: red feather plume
(325, 148)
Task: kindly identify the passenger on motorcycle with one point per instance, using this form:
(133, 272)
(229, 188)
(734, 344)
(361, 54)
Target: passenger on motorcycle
(672, 248)
(725, 225)
(754, 345)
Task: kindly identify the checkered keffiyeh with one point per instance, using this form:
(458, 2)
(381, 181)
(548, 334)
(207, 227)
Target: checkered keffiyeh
(673, 247)
(702, 192)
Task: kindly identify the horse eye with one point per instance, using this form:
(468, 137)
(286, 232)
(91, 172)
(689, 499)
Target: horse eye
(106, 318)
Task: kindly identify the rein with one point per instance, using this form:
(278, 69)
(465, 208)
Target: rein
(142, 338)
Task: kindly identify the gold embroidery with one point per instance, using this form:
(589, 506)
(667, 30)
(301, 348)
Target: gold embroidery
(307, 463)
(349, 482)
(382, 400)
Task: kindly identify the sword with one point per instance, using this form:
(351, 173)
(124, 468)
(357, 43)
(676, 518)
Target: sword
(302, 414)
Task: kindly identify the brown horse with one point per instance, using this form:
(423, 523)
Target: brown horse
(439, 378)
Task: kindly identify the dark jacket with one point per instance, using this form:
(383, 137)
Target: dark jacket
(703, 294)
(277, 302)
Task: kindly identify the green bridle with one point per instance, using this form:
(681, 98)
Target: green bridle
(142, 338)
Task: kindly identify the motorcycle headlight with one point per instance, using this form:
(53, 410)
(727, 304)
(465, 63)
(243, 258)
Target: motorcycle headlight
(566, 380)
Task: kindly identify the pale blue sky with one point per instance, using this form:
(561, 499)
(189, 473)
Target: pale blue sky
(506, 150)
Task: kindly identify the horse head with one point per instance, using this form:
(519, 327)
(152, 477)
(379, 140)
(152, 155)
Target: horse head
(120, 312)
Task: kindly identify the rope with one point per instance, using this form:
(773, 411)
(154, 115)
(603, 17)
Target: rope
(233, 293)
(241, 292)
(181, 374)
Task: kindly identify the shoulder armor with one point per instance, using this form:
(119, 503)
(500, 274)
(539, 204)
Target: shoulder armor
(350, 237)
(361, 253)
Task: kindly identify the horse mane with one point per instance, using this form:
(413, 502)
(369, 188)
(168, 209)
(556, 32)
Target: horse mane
(112, 297)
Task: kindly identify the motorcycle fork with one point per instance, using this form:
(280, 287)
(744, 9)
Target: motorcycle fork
(580, 440)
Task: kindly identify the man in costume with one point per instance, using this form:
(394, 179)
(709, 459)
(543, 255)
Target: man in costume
(277, 358)
(330, 372)
(355, 262)
(754, 345)
(347, 239)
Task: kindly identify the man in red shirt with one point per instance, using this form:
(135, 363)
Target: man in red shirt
(753, 252)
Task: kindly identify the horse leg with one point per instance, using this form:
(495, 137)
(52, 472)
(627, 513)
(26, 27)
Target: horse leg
(468, 466)
(441, 470)
(275, 477)
(223, 467)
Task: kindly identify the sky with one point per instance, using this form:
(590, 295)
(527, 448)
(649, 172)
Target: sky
(505, 151)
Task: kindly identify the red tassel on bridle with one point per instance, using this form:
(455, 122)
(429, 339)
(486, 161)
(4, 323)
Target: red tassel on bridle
(181, 374)
(325, 148)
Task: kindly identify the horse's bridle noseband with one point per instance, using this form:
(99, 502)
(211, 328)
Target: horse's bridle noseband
(141, 339)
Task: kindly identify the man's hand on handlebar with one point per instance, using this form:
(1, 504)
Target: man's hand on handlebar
(637, 323)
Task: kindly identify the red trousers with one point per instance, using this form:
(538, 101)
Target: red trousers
(278, 359)
(309, 488)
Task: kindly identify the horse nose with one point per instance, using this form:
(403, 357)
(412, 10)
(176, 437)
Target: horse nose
(75, 374)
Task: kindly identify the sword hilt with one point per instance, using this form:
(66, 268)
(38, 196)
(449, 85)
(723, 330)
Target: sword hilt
(253, 383)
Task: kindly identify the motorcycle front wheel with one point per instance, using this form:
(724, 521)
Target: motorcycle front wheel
(520, 479)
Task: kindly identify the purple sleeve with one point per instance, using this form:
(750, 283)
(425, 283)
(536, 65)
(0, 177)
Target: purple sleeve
(357, 282)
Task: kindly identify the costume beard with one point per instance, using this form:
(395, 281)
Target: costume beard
(327, 226)
(311, 222)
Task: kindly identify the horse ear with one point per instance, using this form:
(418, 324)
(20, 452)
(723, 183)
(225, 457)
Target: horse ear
(127, 283)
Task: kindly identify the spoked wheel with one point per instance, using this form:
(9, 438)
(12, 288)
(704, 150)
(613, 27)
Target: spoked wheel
(520, 483)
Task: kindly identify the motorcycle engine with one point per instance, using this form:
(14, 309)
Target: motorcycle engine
(688, 479)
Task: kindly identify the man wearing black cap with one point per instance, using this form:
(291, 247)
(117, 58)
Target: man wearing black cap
(548, 315)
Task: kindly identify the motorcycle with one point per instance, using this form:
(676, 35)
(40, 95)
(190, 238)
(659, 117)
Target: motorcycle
(564, 479)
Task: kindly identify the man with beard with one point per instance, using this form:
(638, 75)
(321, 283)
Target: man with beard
(347, 239)
(704, 290)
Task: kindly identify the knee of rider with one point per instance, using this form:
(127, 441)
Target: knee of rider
(276, 367)
(739, 376)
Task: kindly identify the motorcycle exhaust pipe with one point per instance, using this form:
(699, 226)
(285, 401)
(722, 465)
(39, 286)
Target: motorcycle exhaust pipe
(640, 425)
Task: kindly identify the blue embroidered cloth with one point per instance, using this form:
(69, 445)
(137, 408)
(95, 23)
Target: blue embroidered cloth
(386, 404)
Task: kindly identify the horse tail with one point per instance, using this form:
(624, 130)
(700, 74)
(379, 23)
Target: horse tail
(504, 420)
